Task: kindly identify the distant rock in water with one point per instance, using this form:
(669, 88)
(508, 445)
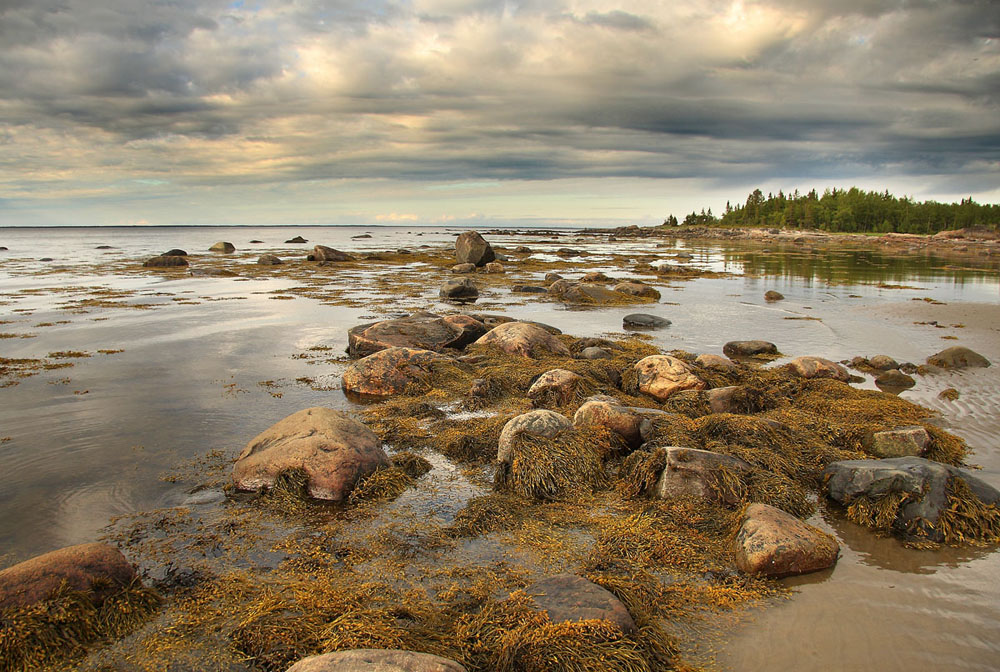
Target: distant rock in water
(749, 348)
(297, 239)
(46, 259)
(527, 289)
(459, 290)
(472, 248)
(222, 246)
(3, 249)
(644, 321)
(213, 273)
(175, 253)
(269, 260)
(99, 247)
(324, 253)
(363, 235)
(165, 261)
(256, 242)
(772, 295)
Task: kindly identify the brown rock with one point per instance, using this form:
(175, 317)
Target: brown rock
(222, 246)
(376, 660)
(571, 598)
(463, 268)
(698, 473)
(391, 371)
(900, 442)
(958, 357)
(424, 331)
(622, 420)
(894, 379)
(637, 289)
(269, 260)
(334, 449)
(524, 339)
(773, 543)
(493, 267)
(589, 293)
(817, 367)
(721, 399)
(556, 387)
(79, 566)
(595, 276)
(883, 363)
(324, 253)
(463, 290)
(472, 248)
(749, 348)
(660, 376)
(537, 423)
(772, 295)
(715, 361)
(165, 261)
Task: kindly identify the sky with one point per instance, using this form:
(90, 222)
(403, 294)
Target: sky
(485, 112)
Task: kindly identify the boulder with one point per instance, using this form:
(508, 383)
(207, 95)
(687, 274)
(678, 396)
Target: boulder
(555, 387)
(537, 423)
(175, 252)
(459, 290)
(883, 363)
(269, 260)
(522, 249)
(527, 289)
(817, 367)
(644, 321)
(297, 239)
(639, 289)
(899, 442)
(324, 253)
(722, 399)
(552, 277)
(391, 371)
(493, 267)
(622, 420)
(213, 273)
(923, 481)
(715, 361)
(698, 473)
(571, 598)
(376, 660)
(472, 248)
(335, 451)
(569, 252)
(772, 295)
(256, 242)
(463, 268)
(594, 352)
(524, 339)
(749, 348)
(894, 379)
(424, 331)
(660, 376)
(96, 568)
(222, 246)
(595, 276)
(958, 357)
(589, 293)
(773, 543)
(165, 261)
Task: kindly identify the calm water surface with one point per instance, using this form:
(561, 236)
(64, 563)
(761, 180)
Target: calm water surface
(214, 361)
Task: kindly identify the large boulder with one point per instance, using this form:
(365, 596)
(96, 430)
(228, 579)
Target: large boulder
(749, 348)
(607, 412)
(817, 367)
(324, 253)
(524, 339)
(555, 387)
(472, 248)
(773, 543)
(537, 423)
(391, 371)
(269, 260)
(689, 472)
(376, 660)
(639, 289)
(589, 293)
(571, 598)
(459, 290)
(923, 482)
(424, 331)
(958, 357)
(166, 261)
(297, 239)
(96, 568)
(900, 442)
(332, 448)
(222, 246)
(660, 376)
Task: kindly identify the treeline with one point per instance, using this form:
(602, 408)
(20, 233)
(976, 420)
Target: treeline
(850, 210)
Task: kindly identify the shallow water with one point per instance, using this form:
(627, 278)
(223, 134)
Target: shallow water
(213, 361)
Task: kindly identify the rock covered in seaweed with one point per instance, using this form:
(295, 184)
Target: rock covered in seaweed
(749, 348)
(472, 248)
(391, 371)
(95, 568)
(689, 472)
(539, 422)
(333, 449)
(567, 597)
(525, 339)
(639, 289)
(376, 660)
(660, 376)
(607, 412)
(773, 543)
(425, 331)
(556, 387)
(900, 442)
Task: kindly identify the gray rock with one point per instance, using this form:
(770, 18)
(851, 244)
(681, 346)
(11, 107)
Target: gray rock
(594, 352)
(424, 331)
(899, 442)
(376, 660)
(538, 423)
(213, 273)
(697, 473)
(527, 289)
(269, 260)
(883, 363)
(644, 321)
(297, 239)
(459, 290)
(749, 348)
(958, 357)
(165, 262)
(175, 252)
(552, 277)
(817, 367)
(567, 597)
(472, 248)
(894, 379)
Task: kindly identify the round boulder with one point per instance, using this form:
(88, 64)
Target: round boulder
(376, 660)
(472, 248)
(660, 376)
(97, 568)
(772, 295)
(622, 420)
(556, 387)
(883, 363)
(524, 339)
(540, 422)
(269, 260)
(424, 331)
(894, 379)
(773, 543)
(222, 246)
(459, 290)
(324, 253)
(335, 451)
(817, 367)
(715, 361)
(958, 357)
(175, 252)
(391, 371)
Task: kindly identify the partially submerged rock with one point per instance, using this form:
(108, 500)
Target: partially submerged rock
(749, 348)
(459, 290)
(527, 289)
(524, 339)
(376, 660)
(900, 442)
(175, 252)
(424, 331)
(297, 239)
(269, 260)
(773, 543)
(324, 253)
(165, 261)
(472, 248)
(660, 376)
(701, 473)
(333, 449)
(958, 357)
(567, 597)
(772, 295)
(894, 379)
(97, 569)
(463, 268)
(644, 321)
(222, 246)
(391, 371)
(883, 362)
(817, 367)
(639, 289)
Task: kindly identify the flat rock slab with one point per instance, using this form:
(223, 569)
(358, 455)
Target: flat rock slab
(391, 371)
(376, 660)
(749, 348)
(644, 321)
(689, 472)
(899, 442)
(332, 448)
(422, 331)
(79, 566)
(958, 357)
(924, 481)
(660, 376)
(773, 543)
(567, 597)
(540, 422)
(524, 339)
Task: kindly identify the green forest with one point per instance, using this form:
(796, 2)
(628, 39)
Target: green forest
(848, 210)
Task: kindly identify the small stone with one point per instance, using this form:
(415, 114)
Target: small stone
(949, 394)
(773, 543)
(644, 321)
(749, 348)
(639, 289)
(269, 260)
(552, 277)
(772, 295)
(463, 268)
(527, 289)
(493, 267)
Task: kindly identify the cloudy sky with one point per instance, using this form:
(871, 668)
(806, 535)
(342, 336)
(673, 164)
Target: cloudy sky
(457, 111)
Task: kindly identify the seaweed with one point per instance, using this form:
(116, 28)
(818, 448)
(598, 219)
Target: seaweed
(547, 468)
